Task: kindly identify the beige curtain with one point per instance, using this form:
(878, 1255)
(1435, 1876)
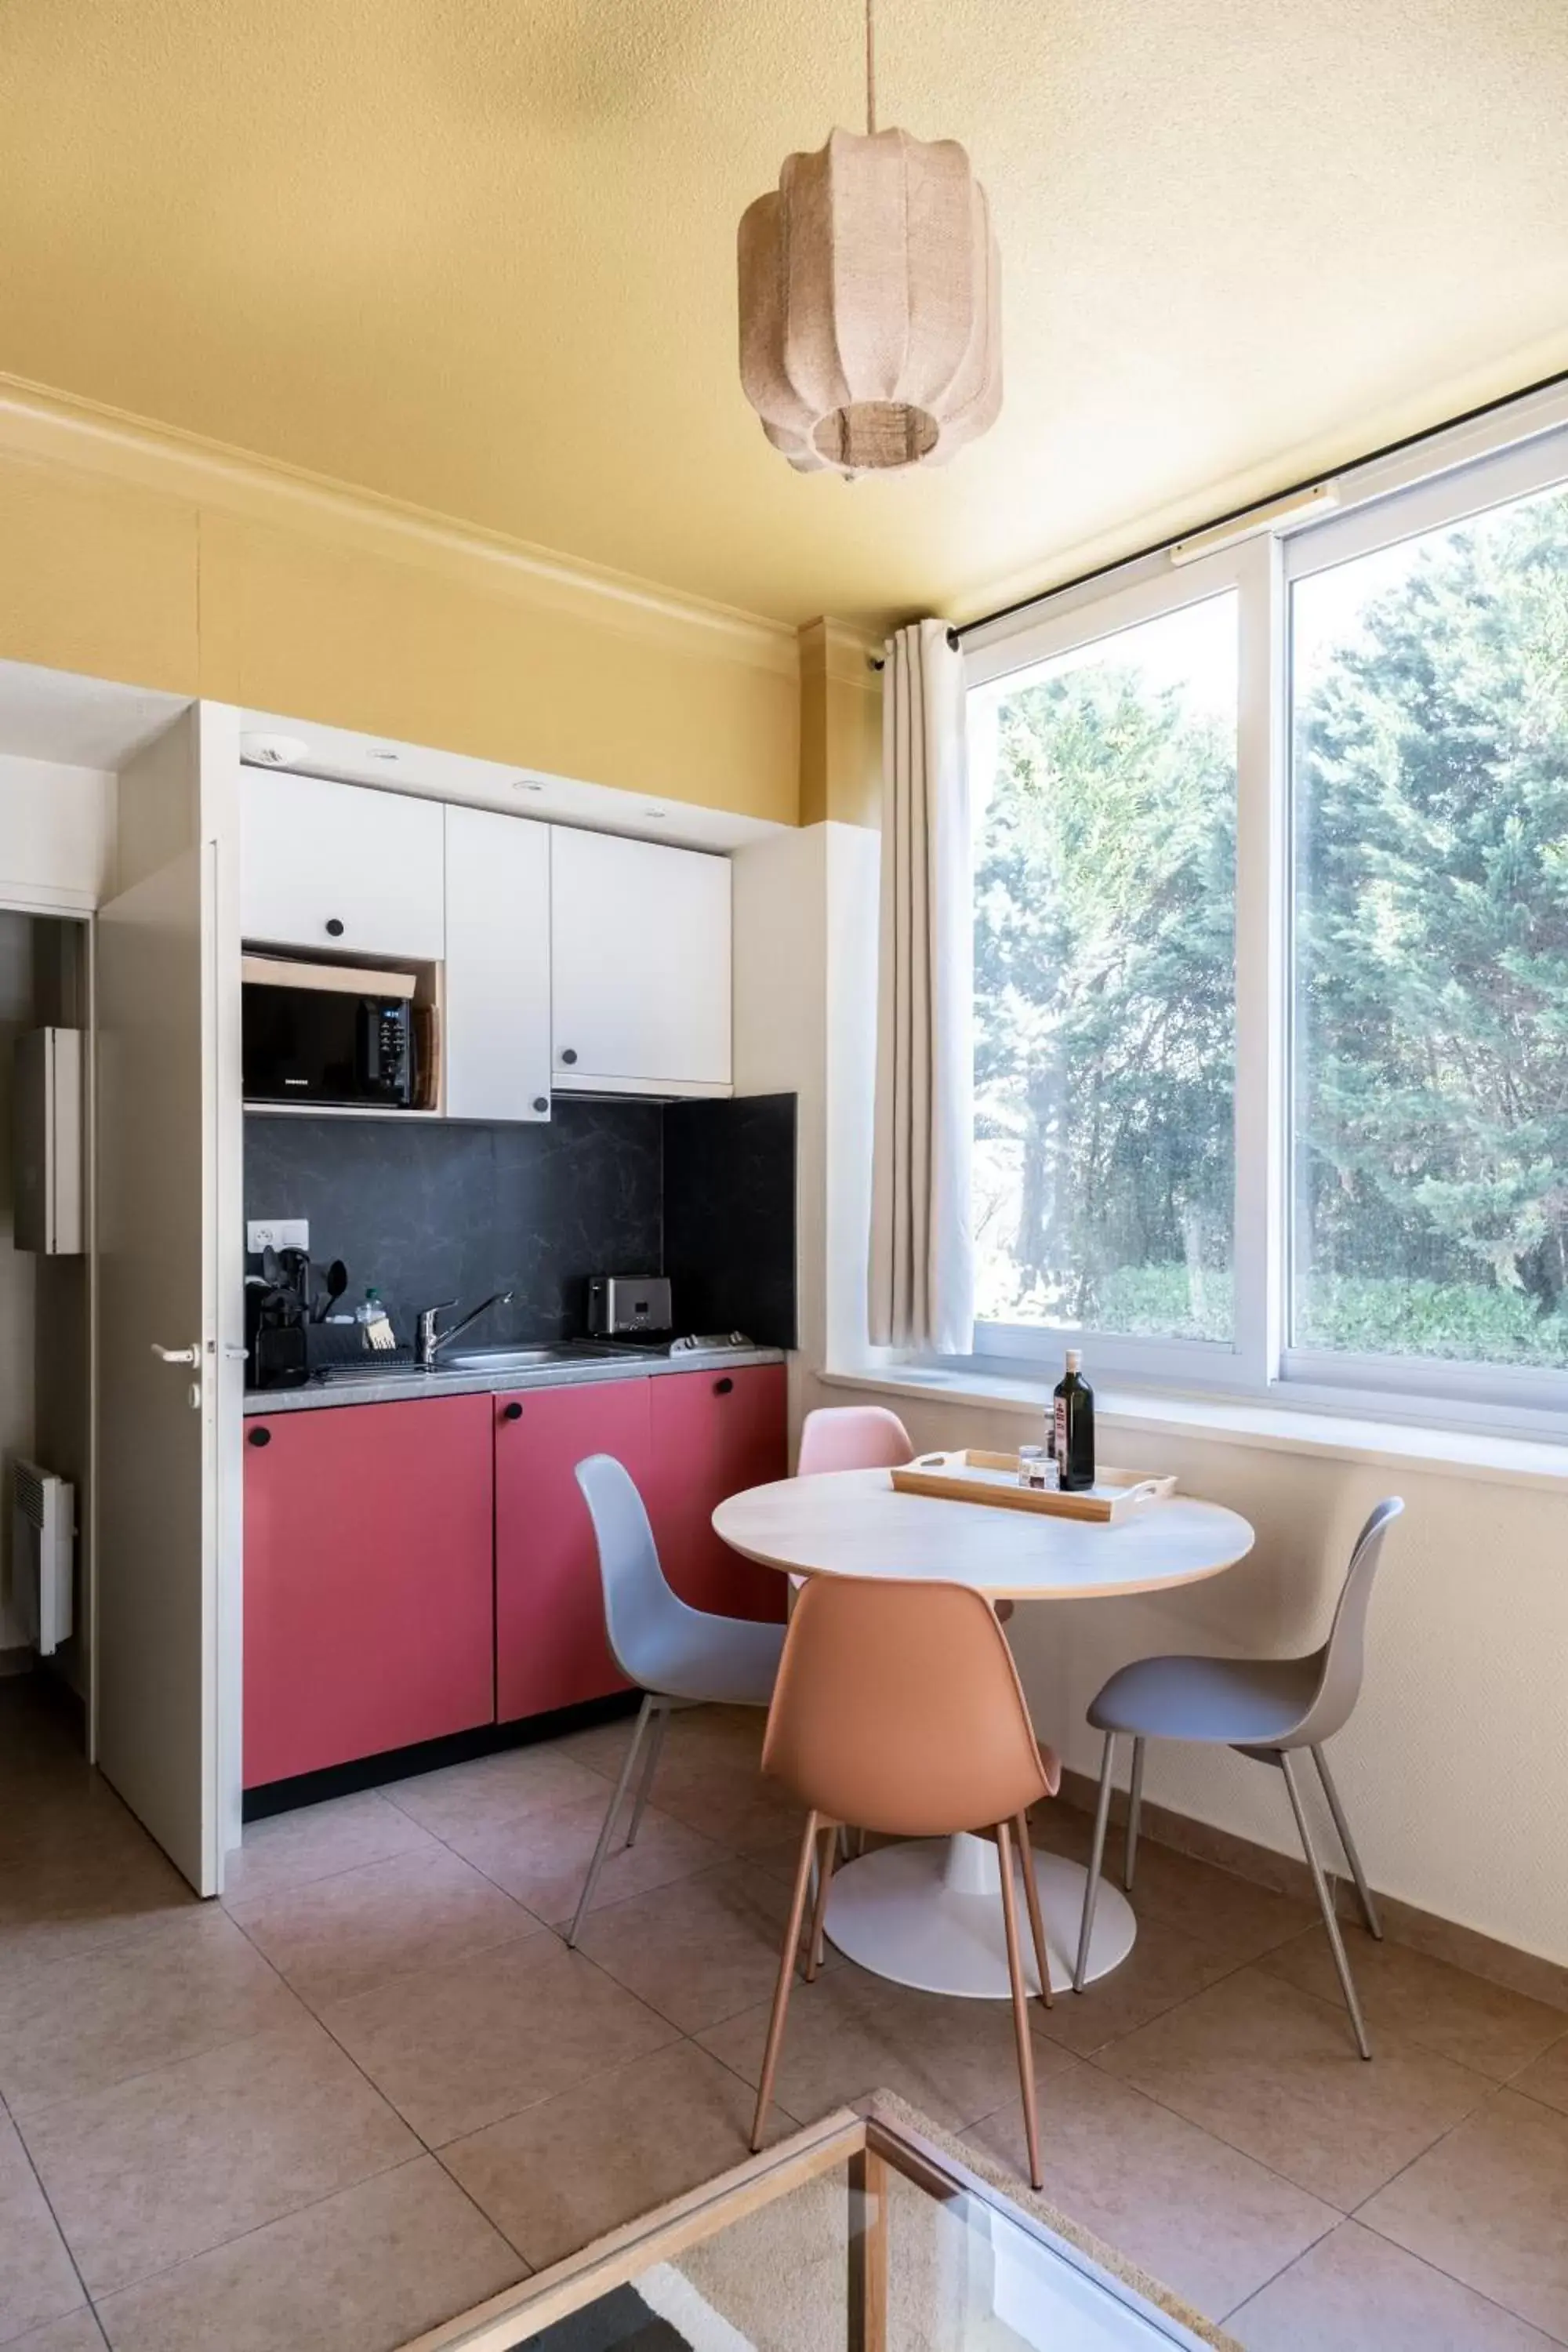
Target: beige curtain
(922, 1256)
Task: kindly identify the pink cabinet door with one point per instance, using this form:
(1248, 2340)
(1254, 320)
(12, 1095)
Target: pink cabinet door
(551, 1649)
(713, 1433)
(368, 1580)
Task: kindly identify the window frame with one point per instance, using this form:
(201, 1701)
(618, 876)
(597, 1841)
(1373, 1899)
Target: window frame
(1475, 467)
(1240, 1363)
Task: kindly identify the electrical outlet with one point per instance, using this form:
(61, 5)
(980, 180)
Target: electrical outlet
(277, 1232)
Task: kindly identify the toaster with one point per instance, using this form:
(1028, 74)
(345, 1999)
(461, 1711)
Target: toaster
(622, 1305)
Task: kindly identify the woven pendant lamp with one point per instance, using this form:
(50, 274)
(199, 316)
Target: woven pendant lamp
(870, 301)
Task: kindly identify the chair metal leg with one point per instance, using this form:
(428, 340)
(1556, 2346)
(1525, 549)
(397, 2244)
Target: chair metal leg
(1363, 1892)
(601, 1850)
(786, 1979)
(1037, 1924)
(1020, 2004)
(1091, 1891)
(829, 1853)
(1325, 1904)
(1134, 1812)
(661, 1709)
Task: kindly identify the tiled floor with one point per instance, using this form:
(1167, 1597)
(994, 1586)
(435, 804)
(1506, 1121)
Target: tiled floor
(373, 2085)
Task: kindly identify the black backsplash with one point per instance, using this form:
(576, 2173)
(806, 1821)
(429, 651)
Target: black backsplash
(729, 1216)
(450, 1209)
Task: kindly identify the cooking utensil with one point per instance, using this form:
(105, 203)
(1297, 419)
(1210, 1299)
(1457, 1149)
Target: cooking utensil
(337, 1283)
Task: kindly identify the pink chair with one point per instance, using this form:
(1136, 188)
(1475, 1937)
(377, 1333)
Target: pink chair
(852, 1437)
(857, 1437)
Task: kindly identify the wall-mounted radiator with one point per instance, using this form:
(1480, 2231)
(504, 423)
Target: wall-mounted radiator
(43, 1536)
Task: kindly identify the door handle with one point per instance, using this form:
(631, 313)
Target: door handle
(178, 1355)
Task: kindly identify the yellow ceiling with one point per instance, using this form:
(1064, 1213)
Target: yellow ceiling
(480, 254)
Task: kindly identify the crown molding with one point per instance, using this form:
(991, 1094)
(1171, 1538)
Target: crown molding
(841, 650)
(47, 426)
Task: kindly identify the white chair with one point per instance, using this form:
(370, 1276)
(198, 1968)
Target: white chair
(1267, 1709)
(676, 1653)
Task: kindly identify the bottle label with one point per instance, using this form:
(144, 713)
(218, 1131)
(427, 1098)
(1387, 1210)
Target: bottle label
(1062, 1432)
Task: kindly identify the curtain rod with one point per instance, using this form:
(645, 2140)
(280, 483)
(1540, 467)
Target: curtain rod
(955, 636)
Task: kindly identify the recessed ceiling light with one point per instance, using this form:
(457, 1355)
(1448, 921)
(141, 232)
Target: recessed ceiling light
(390, 757)
(272, 751)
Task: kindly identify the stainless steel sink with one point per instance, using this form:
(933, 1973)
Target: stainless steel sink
(523, 1359)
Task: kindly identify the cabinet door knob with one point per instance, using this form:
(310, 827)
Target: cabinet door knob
(569, 1055)
(512, 1412)
(542, 1102)
(258, 1437)
(723, 1386)
(334, 928)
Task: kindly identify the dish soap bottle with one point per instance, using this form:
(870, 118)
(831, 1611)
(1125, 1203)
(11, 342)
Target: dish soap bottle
(1073, 1401)
(376, 1330)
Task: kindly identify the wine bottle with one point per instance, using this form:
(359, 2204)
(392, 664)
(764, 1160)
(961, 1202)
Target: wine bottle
(1074, 1415)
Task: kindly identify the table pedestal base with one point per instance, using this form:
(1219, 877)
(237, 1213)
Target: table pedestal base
(928, 1914)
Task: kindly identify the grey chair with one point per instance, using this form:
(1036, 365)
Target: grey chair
(1264, 1707)
(677, 1655)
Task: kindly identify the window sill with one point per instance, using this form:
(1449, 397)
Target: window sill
(1443, 1452)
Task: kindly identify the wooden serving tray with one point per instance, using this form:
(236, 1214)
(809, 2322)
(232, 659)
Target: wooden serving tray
(970, 1475)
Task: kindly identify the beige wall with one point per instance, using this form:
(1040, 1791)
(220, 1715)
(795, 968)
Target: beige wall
(1455, 1769)
(840, 726)
(157, 562)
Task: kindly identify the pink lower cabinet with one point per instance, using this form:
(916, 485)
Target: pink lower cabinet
(368, 1583)
(551, 1649)
(714, 1433)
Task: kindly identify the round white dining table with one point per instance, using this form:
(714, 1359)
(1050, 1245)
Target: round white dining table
(927, 1912)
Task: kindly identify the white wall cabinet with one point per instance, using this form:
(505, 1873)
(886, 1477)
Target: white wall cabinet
(640, 965)
(341, 867)
(497, 966)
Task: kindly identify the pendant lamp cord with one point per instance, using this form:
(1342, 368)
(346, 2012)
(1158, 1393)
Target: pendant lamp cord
(871, 69)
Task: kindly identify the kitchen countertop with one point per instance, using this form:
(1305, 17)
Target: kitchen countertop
(398, 1387)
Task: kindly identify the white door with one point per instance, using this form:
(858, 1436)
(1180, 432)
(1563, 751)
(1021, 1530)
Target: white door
(640, 966)
(497, 1006)
(339, 867)
(157, 1496)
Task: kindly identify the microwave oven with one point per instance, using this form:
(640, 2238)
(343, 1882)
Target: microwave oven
(328, 1033)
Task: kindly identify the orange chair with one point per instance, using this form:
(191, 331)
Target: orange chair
(898, 1707)
(852, 1437)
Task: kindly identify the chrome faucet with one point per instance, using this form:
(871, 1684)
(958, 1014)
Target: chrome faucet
(428, 1342)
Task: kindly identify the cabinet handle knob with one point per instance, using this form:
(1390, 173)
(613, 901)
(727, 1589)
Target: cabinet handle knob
(723, 1386)
(334, 928)
(512, 1412)
(542, 1102)
(569, 1055)
(258, 1437)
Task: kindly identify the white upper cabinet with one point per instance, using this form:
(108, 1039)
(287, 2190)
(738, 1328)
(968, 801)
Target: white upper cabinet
(341, 867)
(640, 966)
(498, 967)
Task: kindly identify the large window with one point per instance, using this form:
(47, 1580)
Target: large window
(1271, 957)
(1104, 984)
